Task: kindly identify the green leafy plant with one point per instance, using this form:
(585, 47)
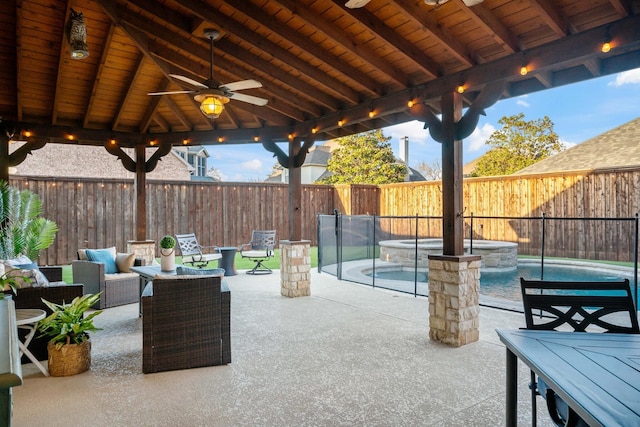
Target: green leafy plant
(22, 230)
(67, 324)
(167, 242)
(9, 281)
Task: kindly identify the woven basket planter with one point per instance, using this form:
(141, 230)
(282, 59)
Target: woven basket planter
(70, 359)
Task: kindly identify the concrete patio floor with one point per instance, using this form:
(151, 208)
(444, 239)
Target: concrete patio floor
(348, 355)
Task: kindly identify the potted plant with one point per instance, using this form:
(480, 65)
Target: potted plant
(8, 283)
(67, 326)
(167, 253)
(22, 230)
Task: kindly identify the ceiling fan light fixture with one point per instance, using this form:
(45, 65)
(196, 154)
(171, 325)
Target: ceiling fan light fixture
(211, 106)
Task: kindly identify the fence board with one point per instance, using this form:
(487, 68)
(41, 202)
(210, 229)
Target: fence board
(100, 213)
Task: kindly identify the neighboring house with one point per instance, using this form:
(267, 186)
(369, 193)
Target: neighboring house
(617, 148)
(315, 164)
(196, 157)
(83, 161)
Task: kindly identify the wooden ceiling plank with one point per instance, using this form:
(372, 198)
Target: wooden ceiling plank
(558, 23)
(358, 78)
(417, 14)
(19, 41)
(129, 88)
(239, 30)
(177, 112)
(96, 81)
(330, 30)
(483, 17)
(623, 7)
(393, 39)
(61, 62)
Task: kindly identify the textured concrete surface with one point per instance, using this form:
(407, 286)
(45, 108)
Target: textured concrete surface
(347, 355)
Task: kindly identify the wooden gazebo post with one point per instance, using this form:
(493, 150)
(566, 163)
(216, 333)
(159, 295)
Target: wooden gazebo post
(295, 253)
(454, 278)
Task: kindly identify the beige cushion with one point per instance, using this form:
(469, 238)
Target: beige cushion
(120, 276)
(25, 278)
(124, 262)
(183, 276)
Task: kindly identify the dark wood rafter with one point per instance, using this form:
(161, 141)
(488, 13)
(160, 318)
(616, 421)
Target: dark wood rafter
(345, 41)
(393, 39)
(554, 19)
(272, 25)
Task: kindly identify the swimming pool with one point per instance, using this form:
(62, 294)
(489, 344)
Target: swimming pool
(506, 285)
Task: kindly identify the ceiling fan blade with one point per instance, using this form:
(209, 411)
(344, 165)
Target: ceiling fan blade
(353, 4)
(173, 92)
(243, 84)
(248, 98)
(188, 80)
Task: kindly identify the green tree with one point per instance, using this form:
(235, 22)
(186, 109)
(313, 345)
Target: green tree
(365, 158)
(518, 144)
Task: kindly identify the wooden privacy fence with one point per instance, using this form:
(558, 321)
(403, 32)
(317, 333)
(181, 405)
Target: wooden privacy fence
(99, 213)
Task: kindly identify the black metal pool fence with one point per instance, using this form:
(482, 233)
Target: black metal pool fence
(343, 239)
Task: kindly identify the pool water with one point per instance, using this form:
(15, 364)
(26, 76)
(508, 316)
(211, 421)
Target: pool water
(506, 285)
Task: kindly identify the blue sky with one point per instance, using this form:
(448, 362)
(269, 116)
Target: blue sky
(579, 112)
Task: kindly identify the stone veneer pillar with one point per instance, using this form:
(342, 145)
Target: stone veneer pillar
(454, 306)
(295, 268)
(145, 249)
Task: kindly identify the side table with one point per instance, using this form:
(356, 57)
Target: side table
(28, 318)
(228, 260)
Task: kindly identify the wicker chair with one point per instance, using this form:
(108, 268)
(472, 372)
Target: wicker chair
(185, 323)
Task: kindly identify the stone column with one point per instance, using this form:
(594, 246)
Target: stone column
(454, 306)
(145, 249)
(295, 268)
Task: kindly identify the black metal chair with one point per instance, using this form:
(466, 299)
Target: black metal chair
(582, 307)
(259, 249)
(192, 252)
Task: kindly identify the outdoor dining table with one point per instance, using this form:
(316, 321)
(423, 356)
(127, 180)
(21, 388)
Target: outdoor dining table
(597, 374)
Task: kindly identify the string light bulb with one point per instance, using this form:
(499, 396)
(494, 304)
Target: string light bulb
(523, 70)
(411, 103)
(340, 123)
(460, 89)
(606, 46)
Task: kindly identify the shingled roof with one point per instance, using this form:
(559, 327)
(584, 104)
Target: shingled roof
(621, 146)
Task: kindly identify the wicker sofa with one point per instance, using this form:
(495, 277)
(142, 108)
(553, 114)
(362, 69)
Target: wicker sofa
(57, 292)
(185, 323)
(122, 287)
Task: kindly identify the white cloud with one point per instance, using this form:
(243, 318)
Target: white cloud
(627, 77)
(252, 165)
(523, 103)
(479, 136)
(567, 144)
(413, 129)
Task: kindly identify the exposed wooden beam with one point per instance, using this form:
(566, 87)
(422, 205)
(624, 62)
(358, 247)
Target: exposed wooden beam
(330, 30)
(94, 89)
(483, 17)
(392, 38)
(559, 24)
(426, 22)
(357, 78)
(129, 88)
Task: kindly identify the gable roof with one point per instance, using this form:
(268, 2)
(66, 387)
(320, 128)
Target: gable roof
(617, 148)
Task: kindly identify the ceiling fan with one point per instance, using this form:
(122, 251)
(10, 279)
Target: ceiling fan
(211, 94)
